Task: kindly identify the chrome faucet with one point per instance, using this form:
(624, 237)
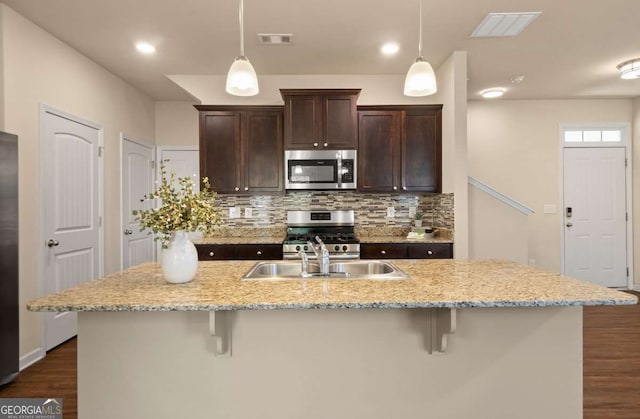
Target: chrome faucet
(304, 260)
(322, 254)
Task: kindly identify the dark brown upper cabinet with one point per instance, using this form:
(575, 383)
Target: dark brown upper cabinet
(400, 148)
(241, 148)
(320, 119)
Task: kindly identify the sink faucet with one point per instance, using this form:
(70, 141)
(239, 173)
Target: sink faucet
(322, 254)
(304, 260)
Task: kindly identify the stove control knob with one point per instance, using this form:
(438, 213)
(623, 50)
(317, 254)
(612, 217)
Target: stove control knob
(337, 248)
(297, 248)
(306, 248)
(344, 248)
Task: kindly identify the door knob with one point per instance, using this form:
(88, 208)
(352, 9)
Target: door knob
(52, 243)
(569, 224)
(128, 232)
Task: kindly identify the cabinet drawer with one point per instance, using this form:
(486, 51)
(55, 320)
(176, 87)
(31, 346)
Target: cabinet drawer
(259, 251)
(383, 251)
(430, 251)
(215, 251)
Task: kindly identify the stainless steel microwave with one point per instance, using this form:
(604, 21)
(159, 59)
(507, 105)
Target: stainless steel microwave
(320, 169)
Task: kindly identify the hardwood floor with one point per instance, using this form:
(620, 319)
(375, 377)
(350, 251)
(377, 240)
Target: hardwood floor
(53, 377)
(611, 367)
(611, 359)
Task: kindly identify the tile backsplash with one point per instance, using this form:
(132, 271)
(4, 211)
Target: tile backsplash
(370, 209)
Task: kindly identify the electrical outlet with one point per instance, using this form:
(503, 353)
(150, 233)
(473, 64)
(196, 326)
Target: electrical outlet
(248, 212)
(234, 212)
(412, 212)
(391, 212)
(532, 263)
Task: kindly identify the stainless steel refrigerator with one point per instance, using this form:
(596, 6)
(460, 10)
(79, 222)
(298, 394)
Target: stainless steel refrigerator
(9, 351)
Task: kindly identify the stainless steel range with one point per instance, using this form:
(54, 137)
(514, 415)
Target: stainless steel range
(334, 228)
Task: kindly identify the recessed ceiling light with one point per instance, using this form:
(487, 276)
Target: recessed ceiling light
(630, 69)
(390, 48)
(145, 48)
(492, 93)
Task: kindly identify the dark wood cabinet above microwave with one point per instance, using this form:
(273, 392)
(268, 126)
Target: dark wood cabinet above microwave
(241, 148)
(320, 119)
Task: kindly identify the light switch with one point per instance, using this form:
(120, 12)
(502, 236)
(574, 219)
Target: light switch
(550, 208)
(248, 212)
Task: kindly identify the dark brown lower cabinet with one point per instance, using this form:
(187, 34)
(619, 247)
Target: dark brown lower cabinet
(406, 250)
(239, 251)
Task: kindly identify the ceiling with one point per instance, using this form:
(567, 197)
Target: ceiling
(570, 51)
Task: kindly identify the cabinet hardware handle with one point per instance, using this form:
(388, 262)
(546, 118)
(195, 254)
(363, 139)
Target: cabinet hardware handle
(212, 253)
(395, 188)
(326, 144)
(52, 243)
(259, 252)
(237, 189)
(429, 252)
(315, 144)
(246, 188)
(404, 188)
(384, 252)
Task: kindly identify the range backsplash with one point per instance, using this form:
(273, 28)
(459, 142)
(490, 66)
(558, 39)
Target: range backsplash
(370, 209)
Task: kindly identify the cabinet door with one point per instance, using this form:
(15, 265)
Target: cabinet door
(378, 154)
(262, 153)
(303, 114)
(430, 251)
(215, 251)
(383, 251)
(340, 122)
(259, 251)
(220, 150)
(421, 151)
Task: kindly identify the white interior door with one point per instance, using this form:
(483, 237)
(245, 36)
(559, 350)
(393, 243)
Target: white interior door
(595, 215)
(137, 181)
(71, 213)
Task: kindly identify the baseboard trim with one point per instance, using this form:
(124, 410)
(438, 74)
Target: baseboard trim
(31, 358)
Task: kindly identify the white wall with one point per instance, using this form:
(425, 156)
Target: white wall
(514, 148)
(176, 124)
(496, 230)
(40, 69)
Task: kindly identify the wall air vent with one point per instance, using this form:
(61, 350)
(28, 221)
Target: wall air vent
(504, 24)
(275, 38)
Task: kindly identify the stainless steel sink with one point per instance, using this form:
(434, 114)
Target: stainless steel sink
(357, 269)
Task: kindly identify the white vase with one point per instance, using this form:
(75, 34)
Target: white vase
(418, 223)
(179, 259)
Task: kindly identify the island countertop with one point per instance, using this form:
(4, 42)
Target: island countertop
(433, 283)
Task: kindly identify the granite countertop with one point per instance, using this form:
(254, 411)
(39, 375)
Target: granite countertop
(241, 240)
(404, 239)
(433, 283)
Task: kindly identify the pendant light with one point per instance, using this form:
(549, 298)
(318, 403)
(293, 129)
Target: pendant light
(420, 80)
(242, 79)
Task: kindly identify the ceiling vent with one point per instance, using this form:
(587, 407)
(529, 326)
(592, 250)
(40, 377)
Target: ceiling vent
(275, 38)
(504, 24)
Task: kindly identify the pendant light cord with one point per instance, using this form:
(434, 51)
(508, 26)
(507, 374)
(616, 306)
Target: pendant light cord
(419, 40)
(241, 13)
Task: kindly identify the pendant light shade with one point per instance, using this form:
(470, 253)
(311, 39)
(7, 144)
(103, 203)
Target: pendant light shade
(241, 78)
(420, 80)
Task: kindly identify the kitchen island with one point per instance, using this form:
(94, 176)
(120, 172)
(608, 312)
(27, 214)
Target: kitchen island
(341, 348)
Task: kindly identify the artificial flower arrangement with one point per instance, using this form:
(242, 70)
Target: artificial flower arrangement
(181, 208)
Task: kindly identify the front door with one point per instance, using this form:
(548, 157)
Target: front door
(137, 181)
(72, 213)
(595, 215)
